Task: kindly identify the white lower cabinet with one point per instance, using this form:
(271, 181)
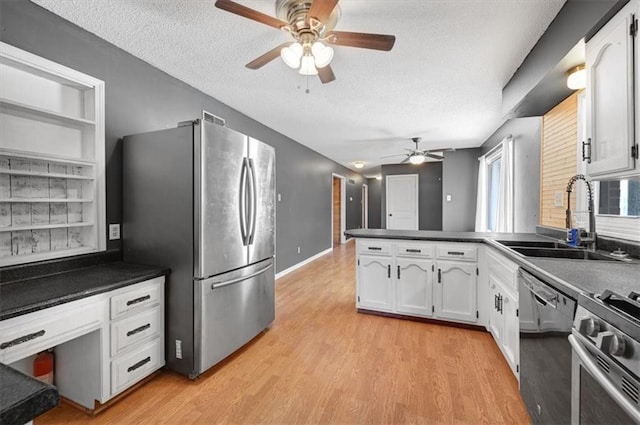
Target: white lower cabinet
(103, 344)
(414, 294)
(456, 291)
(374, 283)
(504, 323)
(401, 279)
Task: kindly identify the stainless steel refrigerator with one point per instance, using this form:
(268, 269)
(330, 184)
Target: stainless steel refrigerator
(200, 199)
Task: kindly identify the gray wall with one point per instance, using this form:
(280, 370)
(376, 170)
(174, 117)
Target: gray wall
(526, 147)
(375, 199)
(141, 98)
(460, 181)
(429, 192)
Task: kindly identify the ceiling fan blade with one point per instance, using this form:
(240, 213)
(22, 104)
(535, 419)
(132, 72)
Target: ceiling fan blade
(362, 40)
(434, 156)
(391, 156)
(261, 61)
(249, 13)
(326, 74)
(321, 9)
(404, 161)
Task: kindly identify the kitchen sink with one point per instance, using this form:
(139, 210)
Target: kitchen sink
(533, 244)
(566, 252)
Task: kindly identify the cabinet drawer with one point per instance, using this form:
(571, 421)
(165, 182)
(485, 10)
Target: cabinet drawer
(414, 250)
(374, 247)
(132, 367)
(28, 334)
(128, 331)
(457, 252)
(143, 296)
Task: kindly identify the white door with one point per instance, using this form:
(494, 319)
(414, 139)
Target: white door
(402, 202)
(511, 330)
(365, 206)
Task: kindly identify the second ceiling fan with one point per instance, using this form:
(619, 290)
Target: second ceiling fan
(418, 156)
(310, 23)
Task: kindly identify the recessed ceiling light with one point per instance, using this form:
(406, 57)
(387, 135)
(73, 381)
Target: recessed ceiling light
(358, 164)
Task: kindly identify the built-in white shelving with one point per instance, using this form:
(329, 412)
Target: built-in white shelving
(52, 190)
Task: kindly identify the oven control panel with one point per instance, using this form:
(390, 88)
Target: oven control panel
(610, 341)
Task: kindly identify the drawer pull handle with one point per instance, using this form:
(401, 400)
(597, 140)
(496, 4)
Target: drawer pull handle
(139, 300)
(455, 253)
(374, 248)
(138, 330)
(414, 250)
(22, 339)
(139, 364)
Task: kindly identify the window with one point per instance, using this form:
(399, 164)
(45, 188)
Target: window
(493, 189)
(494, 209)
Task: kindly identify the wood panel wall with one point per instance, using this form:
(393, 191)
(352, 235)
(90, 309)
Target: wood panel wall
(558, 161)
(336, 211)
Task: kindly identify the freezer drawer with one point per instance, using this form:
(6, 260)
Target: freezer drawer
(235, 307)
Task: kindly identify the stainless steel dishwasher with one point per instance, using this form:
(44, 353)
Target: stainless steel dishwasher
(546, 316)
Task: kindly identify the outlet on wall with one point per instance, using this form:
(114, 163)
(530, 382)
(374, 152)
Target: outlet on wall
(557, 199)
(114, 232)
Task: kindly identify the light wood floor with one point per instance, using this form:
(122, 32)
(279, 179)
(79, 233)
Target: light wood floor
(323, 363)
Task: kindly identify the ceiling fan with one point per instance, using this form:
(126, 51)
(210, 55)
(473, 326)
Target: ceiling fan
(418, 156)
(310, 23)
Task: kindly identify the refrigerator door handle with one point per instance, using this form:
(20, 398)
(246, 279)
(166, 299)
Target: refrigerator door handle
(216, 285)
(253, 202)
(243, 201)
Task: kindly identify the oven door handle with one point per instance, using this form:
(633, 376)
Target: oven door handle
(590, 365)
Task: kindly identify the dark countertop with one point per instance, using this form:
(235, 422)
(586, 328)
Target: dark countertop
(26, 296)
(569, 276)
(22, 397)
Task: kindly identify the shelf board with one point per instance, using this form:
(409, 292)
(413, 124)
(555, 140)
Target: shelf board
(44, 255)
(23, 110)
(44, 226)
(41, 174)
(51, 200)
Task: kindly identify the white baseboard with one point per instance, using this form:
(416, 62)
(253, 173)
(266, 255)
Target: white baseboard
(303, 263)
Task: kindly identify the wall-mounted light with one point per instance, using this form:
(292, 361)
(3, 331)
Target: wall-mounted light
(358, 164)
(577, 77)
(378, 177)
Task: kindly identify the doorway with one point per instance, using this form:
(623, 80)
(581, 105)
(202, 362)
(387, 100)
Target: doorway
(365, 206)
(338, 219)
(402, 202)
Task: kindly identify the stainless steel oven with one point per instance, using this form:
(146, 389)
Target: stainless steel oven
(606, 360)
(546, 316)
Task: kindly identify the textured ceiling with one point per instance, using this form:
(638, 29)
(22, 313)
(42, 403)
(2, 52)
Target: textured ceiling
(442, 81)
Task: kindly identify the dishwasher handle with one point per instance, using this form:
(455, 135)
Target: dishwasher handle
(539, 289)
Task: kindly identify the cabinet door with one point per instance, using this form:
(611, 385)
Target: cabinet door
(414, 286)
(510, 336)
(456, 291)
(496, 320)
(374, 283)
(610, 102)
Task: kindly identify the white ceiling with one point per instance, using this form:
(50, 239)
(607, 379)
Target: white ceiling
(442, 81)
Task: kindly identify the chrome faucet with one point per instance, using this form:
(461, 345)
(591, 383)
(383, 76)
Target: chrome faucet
(590, 238)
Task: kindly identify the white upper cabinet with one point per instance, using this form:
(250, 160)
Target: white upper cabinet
(610, 149)
(52, 188)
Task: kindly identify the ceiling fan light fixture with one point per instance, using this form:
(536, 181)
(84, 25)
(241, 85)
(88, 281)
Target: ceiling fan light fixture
(307, 66)
(292, 54)
(416, 158)
(322, 54)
